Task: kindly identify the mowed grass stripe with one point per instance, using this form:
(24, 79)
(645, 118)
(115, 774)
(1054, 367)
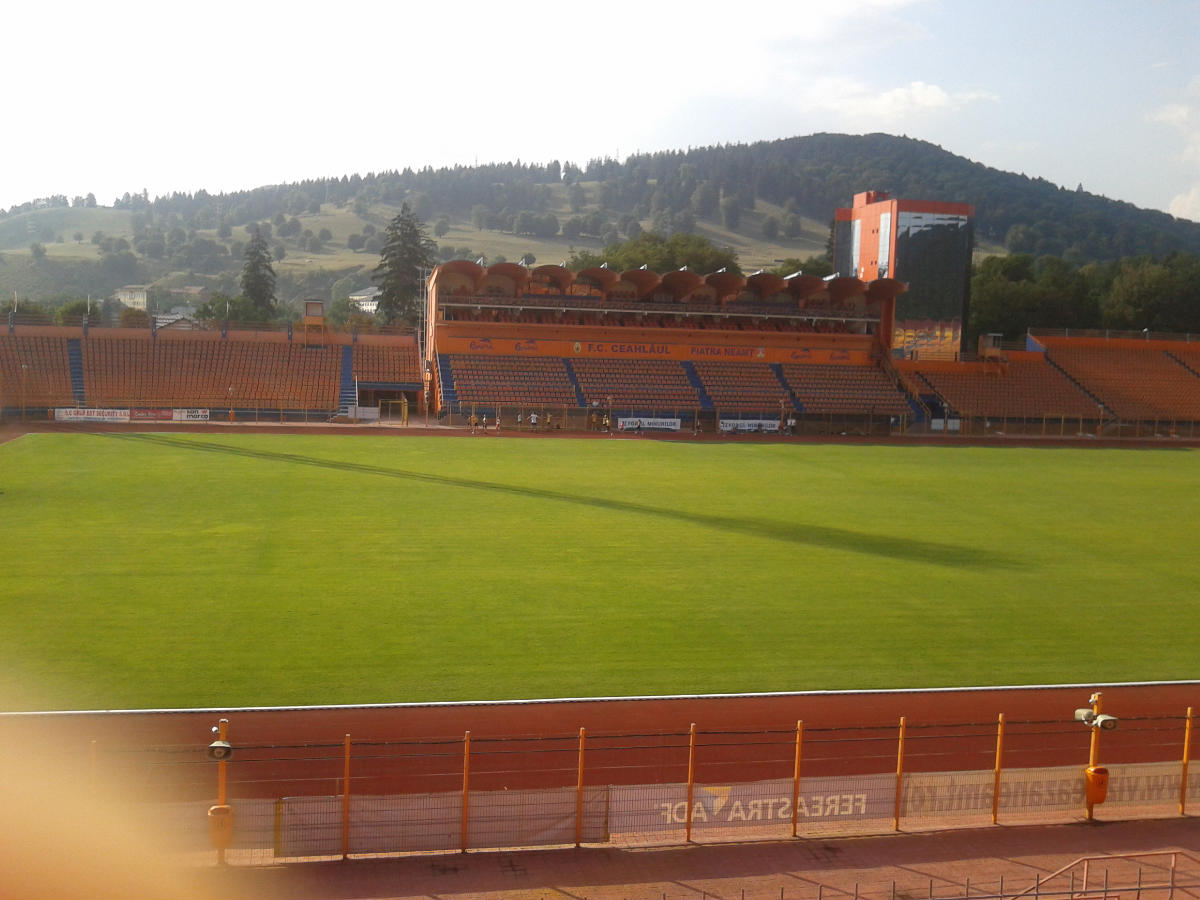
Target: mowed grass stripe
(228, 570)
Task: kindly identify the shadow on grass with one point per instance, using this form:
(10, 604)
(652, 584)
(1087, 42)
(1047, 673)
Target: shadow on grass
(901, 548)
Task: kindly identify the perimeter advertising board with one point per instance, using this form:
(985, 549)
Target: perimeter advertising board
(139, 414)
(757, 426)
(151, 415)
(646, 423)
(71, 414)
(646, 814)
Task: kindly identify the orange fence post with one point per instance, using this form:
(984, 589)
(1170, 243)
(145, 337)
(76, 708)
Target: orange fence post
(466, 796)
(899, 772)
(999, 767)
(796, 777)
(1187, 755)
(1094, 746)
(579, 791)
(222, 794)
(346, 802)
(691, 778)
(223, 735)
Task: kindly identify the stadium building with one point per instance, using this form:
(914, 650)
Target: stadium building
(677, 350)
(923, 243)
(599, 349)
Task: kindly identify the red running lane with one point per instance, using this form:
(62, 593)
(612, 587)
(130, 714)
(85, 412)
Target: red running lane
(418, 747)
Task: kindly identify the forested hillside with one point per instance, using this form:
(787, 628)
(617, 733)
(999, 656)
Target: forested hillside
(765, 201)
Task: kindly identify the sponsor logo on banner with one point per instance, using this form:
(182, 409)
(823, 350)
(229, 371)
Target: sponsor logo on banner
(529, 346)
(713, 805)
(754, 803)
(631, 423)
(1021, 790)
(708, 350)
(619, 349)
(151, 415)
(190, 415)
(484, 344)
(71, 414)
(757, 425)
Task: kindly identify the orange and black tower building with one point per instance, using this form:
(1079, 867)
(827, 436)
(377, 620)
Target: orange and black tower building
(926, 244)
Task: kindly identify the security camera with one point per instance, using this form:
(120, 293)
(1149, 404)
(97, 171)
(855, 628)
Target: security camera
(1108, 723)
(1086, 715)
(219, 751)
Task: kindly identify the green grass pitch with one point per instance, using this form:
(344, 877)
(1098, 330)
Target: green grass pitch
(189, 570)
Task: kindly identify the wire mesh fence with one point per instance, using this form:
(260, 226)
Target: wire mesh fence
(335, 800)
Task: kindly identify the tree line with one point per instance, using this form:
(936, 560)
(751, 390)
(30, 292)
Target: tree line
(1012, 293)
(673, 190)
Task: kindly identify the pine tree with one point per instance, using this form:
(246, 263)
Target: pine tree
(407, 252)
(258, 278)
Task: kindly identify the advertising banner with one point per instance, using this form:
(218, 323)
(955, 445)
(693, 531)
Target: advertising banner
(190, 415)
(643, 814)
(752, 805)
(151, 415)
(91, 415)
(758, 426)
(633, 423)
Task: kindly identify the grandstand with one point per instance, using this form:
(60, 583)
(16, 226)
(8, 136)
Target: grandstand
(255, 374)
(744, 387)
(636, 384)
(845, 390)
(1023, 386)
(1136, 380)
(711, 353)
(678, 347)
(34, 371)
(508, 380)
(181, 372)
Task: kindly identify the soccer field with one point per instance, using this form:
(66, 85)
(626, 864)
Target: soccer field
(188, 570)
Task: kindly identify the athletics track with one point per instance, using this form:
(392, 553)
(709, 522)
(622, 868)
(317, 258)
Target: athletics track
(629, 741)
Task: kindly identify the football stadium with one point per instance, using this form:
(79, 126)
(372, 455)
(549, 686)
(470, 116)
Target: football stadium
(599, 558)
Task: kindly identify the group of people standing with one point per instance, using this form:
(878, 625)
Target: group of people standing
(479, 423)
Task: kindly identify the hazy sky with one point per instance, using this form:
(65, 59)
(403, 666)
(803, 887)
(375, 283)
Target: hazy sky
(120, 96)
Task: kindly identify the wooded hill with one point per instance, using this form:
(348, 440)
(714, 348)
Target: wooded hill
(767, 201)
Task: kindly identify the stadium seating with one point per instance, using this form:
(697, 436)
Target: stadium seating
(845, 390)
(34, 372)
(1135, 383)
(646, 384)
(386, 364)
(1076, 377)
(1025, 388)
(512, 380)
(209, 371)
(743, 386)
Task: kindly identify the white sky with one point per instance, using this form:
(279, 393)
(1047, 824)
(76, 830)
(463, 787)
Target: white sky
(120, 96)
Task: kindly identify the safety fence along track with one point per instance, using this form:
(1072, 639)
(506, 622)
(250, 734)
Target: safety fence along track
(337, 799)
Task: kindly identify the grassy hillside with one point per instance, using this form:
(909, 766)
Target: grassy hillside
(806, 177)
(45, 226)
